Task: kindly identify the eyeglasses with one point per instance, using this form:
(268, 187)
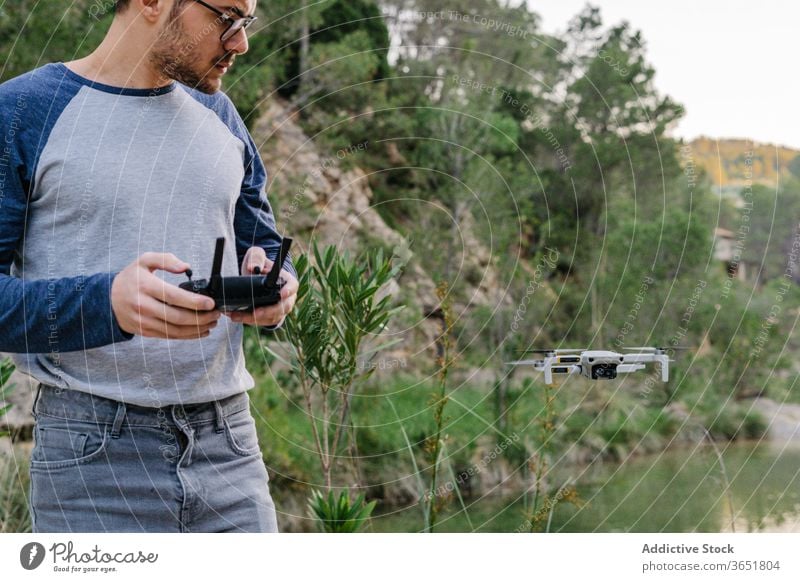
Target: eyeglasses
(234, 24)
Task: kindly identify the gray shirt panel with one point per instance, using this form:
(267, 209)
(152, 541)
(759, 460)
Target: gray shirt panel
(122, 175)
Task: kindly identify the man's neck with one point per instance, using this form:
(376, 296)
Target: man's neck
(120, 61)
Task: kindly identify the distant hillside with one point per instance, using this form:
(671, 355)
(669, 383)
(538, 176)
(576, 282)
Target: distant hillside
(732, 162)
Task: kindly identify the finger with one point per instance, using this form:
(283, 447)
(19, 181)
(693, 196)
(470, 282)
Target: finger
(152, 327)
(266, 266)
(171, 333)
(245, 318)
(269, 315)
(274, 314)
(254, 257)
(180, 316)
(174, 295)
(291, 287)
(286, 305)
(163, 261)
(242, 317)
(189, 331)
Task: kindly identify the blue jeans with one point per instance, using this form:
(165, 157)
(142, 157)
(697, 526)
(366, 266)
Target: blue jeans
(103, 466)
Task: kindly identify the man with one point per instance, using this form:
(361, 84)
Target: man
(117, 172)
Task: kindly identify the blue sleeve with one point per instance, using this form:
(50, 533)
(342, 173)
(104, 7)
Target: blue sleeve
(254, 222)
(64, 314)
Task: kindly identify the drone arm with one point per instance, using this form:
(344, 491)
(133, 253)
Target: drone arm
(640, 358)
(625, 368)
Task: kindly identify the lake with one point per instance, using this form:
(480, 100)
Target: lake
(680, 490)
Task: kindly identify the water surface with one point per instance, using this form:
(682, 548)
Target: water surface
(681, 490)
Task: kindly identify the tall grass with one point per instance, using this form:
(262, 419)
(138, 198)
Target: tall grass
(14, 484)
(14, 477)
(435, 443)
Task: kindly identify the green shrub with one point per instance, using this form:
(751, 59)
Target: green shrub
(6, 369)
(14, 483)
(332, 335)
(736, 421)
(341, 515)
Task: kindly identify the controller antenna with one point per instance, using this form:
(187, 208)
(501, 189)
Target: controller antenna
(216, 269)
(283, 252)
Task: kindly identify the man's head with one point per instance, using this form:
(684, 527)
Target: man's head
(191, 41)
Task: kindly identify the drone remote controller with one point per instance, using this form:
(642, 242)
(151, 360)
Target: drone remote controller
(241, 293)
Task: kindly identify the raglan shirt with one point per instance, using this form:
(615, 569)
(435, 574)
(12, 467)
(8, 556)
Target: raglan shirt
(92, 177)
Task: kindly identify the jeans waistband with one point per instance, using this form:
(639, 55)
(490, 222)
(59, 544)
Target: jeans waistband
(82, 406)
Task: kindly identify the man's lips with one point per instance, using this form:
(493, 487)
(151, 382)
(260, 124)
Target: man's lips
(223, 65)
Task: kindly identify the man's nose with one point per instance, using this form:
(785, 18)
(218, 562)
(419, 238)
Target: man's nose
(237, 43)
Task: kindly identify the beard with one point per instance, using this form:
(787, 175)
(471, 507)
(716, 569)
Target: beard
(172, 56)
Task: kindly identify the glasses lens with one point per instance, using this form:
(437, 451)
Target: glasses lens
(236, 26)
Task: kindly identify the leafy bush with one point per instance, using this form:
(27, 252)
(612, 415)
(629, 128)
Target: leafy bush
(14, 515)
(6, 369)
(342, 515)
(736, 421)
(14, 483)
(332, 335)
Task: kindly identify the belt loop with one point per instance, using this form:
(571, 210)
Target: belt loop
(36, 399)
(115, 429)
(220, 417)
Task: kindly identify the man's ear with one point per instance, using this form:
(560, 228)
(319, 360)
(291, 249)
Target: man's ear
(153, 10)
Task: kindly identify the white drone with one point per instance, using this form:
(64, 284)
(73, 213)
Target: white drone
(596, 364)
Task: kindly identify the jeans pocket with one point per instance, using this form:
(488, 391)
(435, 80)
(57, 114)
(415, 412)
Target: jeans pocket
(240, 429)
(62, 443)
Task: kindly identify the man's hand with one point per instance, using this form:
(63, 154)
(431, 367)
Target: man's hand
(147, 306)
(273, 314)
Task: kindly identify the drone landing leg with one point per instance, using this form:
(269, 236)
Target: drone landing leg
(663, 361)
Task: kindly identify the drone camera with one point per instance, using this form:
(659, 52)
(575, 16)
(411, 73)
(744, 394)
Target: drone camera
(604, 371)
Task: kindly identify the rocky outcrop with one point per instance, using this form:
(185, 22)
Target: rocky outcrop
(783, 419)
(325, 198)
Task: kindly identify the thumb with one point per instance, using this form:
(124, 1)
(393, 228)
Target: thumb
(162, 261)
(254, 257)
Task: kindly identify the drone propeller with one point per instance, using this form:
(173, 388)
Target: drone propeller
(525, 363)
(653, 349)
(641, 349)
(555, 350)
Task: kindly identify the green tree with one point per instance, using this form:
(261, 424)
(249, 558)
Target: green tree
(33, 33)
